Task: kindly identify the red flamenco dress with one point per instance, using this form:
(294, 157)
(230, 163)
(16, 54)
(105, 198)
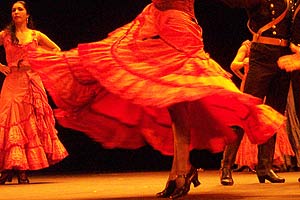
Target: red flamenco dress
(117, 90)
(28, 138)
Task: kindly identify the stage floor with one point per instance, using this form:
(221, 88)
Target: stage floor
(144, 185)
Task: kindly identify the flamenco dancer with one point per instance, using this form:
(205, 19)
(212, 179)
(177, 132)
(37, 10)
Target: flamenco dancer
(147, 78)
(28, 138)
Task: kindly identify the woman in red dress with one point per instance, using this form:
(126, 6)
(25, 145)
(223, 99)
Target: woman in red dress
(146, 77)
(28, 138)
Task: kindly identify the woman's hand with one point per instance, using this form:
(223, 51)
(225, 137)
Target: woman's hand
(4, 69)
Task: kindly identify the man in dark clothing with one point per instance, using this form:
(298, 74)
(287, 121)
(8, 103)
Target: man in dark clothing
(270, 24)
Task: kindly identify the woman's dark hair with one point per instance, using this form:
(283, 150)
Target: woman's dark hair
(12, 28)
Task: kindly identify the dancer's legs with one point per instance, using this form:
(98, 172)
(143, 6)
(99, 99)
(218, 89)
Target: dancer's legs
(181, 131)
(181, 175)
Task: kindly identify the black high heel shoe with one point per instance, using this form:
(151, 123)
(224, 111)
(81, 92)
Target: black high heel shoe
(22, 177)
(191, 177)
(6, 176)
(169, 189)
(270, 176)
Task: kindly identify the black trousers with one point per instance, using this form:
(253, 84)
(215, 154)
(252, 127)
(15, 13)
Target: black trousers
(265, 78)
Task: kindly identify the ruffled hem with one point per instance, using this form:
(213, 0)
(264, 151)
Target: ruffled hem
(28, 137)
(19, 158)
(33, 158)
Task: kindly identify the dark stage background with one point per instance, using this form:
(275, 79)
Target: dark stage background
(69, 22)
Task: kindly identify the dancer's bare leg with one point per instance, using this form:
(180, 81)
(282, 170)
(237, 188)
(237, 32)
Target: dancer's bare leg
(185, 173)
(181, 162)
(182, 173)
(173, 172)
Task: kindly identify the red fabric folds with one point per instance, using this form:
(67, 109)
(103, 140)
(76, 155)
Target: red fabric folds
(118, 90)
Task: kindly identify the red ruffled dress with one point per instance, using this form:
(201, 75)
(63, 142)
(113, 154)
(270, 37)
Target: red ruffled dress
(28, 138)
(117, 90)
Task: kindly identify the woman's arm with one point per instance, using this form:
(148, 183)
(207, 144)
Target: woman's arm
(3, 68)
(46, 43)
(240, 61)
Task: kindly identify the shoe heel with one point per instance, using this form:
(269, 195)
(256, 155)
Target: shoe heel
(195, 180)
(261, 179)
(271, 176)
(193, 177)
